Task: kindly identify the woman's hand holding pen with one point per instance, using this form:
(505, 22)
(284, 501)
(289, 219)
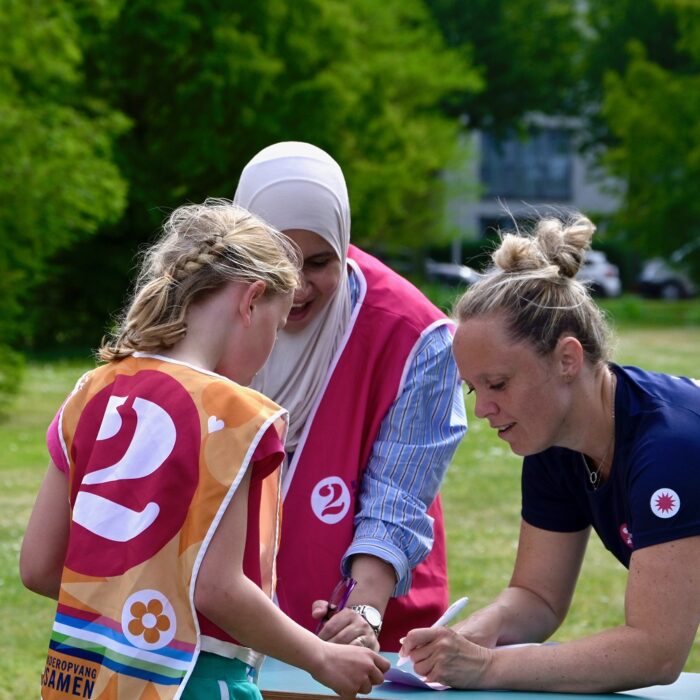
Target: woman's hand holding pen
(442, 655)
(344, 627)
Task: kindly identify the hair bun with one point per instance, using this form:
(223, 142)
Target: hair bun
(553, 245)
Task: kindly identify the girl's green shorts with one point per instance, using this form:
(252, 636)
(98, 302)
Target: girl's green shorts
(217, 678)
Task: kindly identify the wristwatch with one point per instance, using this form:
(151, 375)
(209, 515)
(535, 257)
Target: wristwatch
(371, 615)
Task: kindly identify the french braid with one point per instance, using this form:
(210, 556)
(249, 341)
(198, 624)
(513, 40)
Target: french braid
(202, 247)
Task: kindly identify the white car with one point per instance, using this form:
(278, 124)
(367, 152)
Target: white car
(450, 273)
(600, 276)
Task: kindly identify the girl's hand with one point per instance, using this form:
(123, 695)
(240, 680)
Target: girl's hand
(441, 655)
(344, 627)
(349, 670)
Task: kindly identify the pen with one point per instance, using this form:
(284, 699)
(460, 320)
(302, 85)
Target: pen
(443, 620)
(338, 600)
(451, 612)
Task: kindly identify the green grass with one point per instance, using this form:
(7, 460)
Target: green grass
(481, 497)
(628, 311)
(26, 618)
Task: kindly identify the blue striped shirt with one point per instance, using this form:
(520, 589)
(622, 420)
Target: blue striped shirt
(416, 441)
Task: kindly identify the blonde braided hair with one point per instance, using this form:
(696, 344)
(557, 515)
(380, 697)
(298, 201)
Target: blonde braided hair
(202, 247)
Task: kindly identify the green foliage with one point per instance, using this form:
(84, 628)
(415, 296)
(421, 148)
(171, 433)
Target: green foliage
(11, 371)
(57, 179)
(207, 84)
(632, 311)
(613, 28)
(528, 52)
(628, 68)
(654, 113)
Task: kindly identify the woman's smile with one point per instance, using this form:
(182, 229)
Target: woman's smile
(320, 277)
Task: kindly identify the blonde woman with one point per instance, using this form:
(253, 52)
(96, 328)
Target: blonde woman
(155, 526)
(615, 449)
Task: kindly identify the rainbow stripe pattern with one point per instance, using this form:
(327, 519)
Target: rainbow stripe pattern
(91, 637)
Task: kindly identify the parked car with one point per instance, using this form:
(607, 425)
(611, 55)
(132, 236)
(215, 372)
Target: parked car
(450, 273)
(661, 280)
(600, 276)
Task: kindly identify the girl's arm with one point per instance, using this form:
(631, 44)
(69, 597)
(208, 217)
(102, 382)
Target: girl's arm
(232, 601)
(46, 537)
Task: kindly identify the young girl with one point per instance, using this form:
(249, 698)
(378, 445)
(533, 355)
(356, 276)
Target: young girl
(156, 524)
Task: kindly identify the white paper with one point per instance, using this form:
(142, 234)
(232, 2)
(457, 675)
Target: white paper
(407, 676)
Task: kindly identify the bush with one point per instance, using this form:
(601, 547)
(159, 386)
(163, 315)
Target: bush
(11, 371)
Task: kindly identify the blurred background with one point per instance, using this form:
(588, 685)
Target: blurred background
(451, 120)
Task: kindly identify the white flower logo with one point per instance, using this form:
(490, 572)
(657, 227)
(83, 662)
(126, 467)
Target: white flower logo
(148, 619)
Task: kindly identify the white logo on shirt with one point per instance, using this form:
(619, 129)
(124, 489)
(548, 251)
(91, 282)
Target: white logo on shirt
(148, 449)
(148, 619)
(665, 503)
(626, 535)
(330, 500)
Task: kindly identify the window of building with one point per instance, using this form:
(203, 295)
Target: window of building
(538, 166)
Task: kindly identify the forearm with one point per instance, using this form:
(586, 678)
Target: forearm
(376, 540)
(247, 614)
(616, 659)
(375, 582)
(516, 616)
(537, 599)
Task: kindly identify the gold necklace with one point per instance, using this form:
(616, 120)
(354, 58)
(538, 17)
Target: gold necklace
(594, 476)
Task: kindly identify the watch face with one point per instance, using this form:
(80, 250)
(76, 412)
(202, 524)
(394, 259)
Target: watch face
(372, 616)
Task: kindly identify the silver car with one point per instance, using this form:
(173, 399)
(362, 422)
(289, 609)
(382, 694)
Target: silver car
(600, 276)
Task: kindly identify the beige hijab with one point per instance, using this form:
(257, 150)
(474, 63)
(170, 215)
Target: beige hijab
(294, 185)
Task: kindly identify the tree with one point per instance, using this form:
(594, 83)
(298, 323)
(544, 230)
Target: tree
(57, 179)
(654, 114)
(207, 83)
(529, 53)
(612, 30)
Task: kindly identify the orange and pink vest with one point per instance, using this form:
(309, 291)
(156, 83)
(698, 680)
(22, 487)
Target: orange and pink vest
(323, 479)
(156, 450)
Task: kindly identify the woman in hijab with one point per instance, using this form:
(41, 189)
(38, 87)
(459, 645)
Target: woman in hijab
(364, 366)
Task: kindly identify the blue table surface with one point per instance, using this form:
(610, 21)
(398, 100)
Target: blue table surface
(277, 679)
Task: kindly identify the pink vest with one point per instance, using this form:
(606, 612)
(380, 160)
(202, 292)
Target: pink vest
(323, 480)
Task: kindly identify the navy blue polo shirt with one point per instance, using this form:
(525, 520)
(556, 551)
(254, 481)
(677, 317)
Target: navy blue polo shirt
(652, 494)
